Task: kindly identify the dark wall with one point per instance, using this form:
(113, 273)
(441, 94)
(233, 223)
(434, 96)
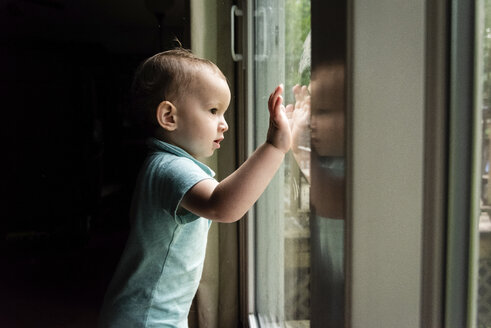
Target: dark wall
(69, 149)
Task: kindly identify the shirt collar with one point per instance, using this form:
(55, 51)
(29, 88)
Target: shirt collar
(159, 145)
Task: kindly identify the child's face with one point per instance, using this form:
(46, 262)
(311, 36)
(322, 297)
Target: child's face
(200, 114)
(327, 121)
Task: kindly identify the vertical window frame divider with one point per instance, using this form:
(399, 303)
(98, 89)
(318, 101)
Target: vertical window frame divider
(476, 175)
(435, 167)
(246, 145)
(459, 290)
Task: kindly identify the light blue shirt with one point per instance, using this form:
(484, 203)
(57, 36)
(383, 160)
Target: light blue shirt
(161, 266)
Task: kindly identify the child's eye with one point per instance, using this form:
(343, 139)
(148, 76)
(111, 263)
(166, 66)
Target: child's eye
(213, 111)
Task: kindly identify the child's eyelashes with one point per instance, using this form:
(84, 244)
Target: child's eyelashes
(214, 111)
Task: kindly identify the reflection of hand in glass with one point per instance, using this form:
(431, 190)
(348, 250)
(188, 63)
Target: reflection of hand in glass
(299, 117)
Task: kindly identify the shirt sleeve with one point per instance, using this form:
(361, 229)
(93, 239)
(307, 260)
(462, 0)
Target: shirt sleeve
(176, 177)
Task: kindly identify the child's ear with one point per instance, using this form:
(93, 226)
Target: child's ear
(166, 115)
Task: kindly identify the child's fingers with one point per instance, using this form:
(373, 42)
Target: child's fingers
(296, 89)
(289, 109)
(280, 111)
(296, 93)
(270, 102)
(307, 103)
(289, 114)
(273, 98)
(277, 107)
(305, 91)
(275, 110)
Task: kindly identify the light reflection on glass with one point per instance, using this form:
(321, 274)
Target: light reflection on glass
(484, 293)
(297, 187)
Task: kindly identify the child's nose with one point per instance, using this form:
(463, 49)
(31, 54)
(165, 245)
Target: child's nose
(223, 126)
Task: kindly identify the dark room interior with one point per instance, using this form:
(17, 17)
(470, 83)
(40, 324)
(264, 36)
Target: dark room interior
(70, 151)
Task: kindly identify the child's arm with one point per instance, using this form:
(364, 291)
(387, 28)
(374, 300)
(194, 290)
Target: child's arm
(230, 199)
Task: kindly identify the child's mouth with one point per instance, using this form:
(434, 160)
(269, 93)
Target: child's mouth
(217, 142)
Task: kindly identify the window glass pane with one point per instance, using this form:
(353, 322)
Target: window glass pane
(484, 280)
(282, 55)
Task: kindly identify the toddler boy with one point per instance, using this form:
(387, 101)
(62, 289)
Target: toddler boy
(183, 99)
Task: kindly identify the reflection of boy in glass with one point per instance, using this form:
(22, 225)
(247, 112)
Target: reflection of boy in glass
(323, 117)
(325, 112)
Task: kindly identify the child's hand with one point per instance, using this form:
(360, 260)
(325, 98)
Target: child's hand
(299, 113)
(299, 117)
(279, 133)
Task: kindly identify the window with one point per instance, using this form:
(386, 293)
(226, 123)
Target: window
(483, 101)
(282, 233)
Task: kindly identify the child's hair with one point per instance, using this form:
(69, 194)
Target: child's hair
(164, 76)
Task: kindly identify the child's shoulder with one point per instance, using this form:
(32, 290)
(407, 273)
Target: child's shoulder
(165, 161)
